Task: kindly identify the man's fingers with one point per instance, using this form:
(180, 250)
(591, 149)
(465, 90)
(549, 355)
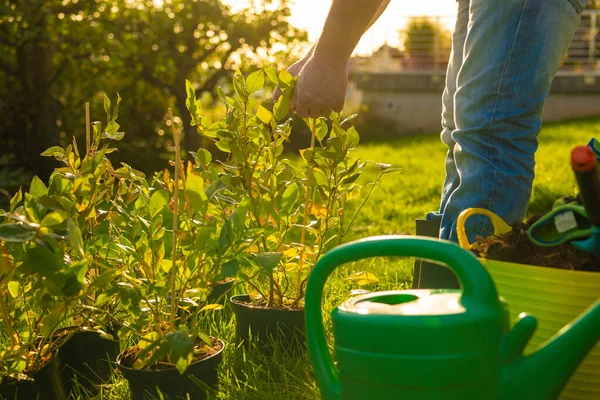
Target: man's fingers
(338, 107)
(315, 111)
(301, 109)
(324, 112)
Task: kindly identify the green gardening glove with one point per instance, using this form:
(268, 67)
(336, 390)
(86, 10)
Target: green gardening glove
(564, 223)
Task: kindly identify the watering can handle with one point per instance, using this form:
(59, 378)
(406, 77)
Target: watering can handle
(476, 284)
(500, 227)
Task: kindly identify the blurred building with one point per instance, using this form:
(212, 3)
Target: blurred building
(403, 87)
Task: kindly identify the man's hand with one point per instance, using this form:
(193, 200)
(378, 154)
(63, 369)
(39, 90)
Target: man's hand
(321, 88)
(322, 73)
(294, 70)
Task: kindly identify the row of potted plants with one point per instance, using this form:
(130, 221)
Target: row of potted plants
(103, 255)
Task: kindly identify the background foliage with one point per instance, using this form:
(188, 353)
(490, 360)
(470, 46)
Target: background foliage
(57, 54)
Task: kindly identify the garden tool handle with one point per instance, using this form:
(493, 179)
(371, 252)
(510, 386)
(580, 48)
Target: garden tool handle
(500, 227)
(477, 287)
(583, 163)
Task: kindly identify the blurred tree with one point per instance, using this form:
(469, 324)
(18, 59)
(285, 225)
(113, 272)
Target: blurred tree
(57, 54)
(39, 42)
(203, 41)
(427, 40)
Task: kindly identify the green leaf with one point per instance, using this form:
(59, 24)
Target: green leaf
(272, 75)
(180, 343)
(158, 201)
(307, 155)
(43, 261)
(16, 233)
(194, 189)
(226, 237)
(205, 338)
(97, 129)
(362, 278)
(190, 101)
(320, 177)
(166, 265)
(53, 218)
(107, 107)
(72, 286)
(239, 84)
(255, 82)
(50, 322)
(221, 94)
(37, 188)
(289, 197)
(56, 152)
(203, 156)
(104, 279)
(50, 203)
(321, 129)
(116, 109)
(223, 145)
(264, 115)
(101, 299)
(59, 184)
(282, 107)
(352, 137)
(212, 307)
(230, 268)
(16, 199)
(75, 237)
(111, 131)
(350, 179)
(14, 288)
(238, 218)
(285, 79)
(182, 364)
(268, 261)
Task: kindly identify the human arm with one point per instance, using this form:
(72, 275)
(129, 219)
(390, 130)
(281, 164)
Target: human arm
(323, 78)
(295, 68)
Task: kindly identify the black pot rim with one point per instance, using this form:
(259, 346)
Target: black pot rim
(170, 370)
(226, 281)
(238, 301)
(11, 381)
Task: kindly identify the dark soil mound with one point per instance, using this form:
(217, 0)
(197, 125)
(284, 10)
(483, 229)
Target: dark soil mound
(516, 247)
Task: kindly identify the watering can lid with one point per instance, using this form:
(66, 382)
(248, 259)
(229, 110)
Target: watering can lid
(417, 322)
(406, 302)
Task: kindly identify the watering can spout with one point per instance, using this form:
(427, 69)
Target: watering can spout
(543, 374)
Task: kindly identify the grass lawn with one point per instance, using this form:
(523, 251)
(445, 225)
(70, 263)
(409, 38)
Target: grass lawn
(400, 199)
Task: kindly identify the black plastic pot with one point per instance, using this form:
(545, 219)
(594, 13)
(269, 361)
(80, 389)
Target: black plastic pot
(46, 385)
(429, 275)
(219, 290)
(269, 326)
(88, 359)
(199, 378)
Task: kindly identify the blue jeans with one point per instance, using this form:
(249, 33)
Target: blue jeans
(505, 54)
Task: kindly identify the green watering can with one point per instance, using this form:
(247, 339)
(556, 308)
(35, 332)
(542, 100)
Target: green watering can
(435, 344)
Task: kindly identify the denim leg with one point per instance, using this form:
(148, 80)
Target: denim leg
(511, 54)
(448, 126)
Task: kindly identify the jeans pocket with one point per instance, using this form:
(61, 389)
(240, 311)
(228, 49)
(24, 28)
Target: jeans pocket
(579, 5)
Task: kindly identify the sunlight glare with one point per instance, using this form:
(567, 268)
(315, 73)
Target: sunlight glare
(310, 15)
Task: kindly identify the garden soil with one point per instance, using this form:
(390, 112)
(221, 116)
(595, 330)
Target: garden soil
(516, 247)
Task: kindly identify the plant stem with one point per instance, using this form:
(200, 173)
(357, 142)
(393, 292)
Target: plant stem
(87, 128)
(175, 218)
(313, 131)
(362, 204)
